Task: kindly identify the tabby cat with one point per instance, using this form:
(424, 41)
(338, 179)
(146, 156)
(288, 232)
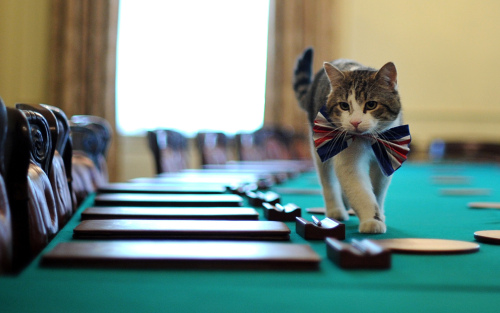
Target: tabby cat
(358, 103)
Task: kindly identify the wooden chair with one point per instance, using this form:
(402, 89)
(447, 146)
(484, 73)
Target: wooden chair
(301, 147)
(272, 143)
(104, 133)
(169, 149)
(247, 149)
(84, 171)
(466, 151)
(5, 217)
(267, 143)
(212, 147)
(28, 161)
(59, 178)
(62, 159)
(90, 137)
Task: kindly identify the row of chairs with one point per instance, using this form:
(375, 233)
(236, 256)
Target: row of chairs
(170, 148)
(48, 165)
(466, 151)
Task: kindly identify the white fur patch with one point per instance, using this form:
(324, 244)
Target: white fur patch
(356, 116)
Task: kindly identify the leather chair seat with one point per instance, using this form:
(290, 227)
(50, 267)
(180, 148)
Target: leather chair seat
(43, 221)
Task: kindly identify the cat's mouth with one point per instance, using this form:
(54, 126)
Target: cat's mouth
(358, 132)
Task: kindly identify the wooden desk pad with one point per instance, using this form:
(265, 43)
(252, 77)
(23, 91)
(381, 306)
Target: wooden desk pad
(162, 188)
(168, 200)
(225, 213)
(484, 205)
(181, 229)
(183, 254)
(465, 191)
(428, 246)
(488, 236)
(227, 179)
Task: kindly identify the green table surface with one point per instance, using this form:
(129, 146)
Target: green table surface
(415, 283)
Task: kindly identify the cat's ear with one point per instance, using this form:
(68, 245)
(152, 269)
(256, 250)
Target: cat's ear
(334, 74)
(388, 76)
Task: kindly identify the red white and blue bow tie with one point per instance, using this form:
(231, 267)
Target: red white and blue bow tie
(390, 147)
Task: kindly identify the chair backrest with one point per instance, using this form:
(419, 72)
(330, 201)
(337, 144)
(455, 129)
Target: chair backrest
(266, 143)
(169, 149)
(301, 147)
(5, 218)
(467, 151)
(64, 146)
(96, 150)
(28, 162)
(212, 147)
(89, 171)
(60, 180)
(246, 148)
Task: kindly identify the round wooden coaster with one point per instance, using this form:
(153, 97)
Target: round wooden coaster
(484, 205)
(488, 236)
(428, 246)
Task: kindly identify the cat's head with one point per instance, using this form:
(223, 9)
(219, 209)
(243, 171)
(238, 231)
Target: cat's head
(363, 101)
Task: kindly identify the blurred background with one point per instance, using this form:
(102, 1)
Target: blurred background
(66, 53)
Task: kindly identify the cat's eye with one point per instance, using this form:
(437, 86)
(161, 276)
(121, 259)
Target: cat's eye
(371, 105)
(344, 106)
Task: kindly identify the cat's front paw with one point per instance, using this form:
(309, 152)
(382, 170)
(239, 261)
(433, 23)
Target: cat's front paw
(372, 226)
(337, 214)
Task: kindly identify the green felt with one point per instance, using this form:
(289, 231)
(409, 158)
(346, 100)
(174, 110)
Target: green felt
(415, 283)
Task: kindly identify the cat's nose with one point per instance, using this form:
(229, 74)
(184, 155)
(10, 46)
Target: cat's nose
(355, 123)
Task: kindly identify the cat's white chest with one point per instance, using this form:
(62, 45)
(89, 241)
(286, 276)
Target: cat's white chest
(359, 150)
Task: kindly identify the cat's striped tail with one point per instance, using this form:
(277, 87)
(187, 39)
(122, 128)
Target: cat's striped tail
(302, 76)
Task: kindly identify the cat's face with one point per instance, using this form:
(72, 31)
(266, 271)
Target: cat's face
(363, 101)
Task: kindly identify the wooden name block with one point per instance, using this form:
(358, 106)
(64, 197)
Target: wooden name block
(319, 230)
(278, 212)
(359, 254)
(257, 198)
(242, 189)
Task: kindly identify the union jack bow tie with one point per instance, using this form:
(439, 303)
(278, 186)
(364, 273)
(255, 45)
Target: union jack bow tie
(390, 147)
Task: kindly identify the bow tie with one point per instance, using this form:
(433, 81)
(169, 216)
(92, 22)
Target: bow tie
(390, 147)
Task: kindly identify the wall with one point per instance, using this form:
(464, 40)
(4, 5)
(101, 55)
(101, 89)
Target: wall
(447, 55)
(136, 160)
(24, 48)
(446, 51)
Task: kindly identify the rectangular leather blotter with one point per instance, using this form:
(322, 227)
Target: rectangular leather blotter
(181, 229)
(170, 200)
(204, 213)
(227, 179)
(162, 188)
(183, 254)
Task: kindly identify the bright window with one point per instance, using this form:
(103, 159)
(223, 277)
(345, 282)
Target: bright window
(191, 65)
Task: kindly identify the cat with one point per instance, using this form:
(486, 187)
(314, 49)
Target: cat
(357, 101)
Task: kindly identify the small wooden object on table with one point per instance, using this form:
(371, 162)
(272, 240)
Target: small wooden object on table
(319, 229)
(359, 254)
(278, 212)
